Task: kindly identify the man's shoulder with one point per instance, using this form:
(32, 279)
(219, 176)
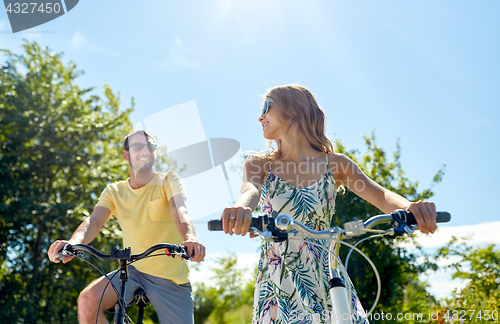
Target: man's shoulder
(116, 186)
(162, 176)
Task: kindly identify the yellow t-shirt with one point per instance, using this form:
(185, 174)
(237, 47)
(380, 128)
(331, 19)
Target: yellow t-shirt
(145, 218)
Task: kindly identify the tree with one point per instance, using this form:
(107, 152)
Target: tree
(402, 291)
(401, 288)
(59, 146)
(228, 301)
(480, 298)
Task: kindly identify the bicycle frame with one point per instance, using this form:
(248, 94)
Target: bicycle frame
(125, 257)
(283, 227)
(341, 309)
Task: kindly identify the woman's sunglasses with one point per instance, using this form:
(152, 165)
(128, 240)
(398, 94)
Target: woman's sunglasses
(266, 107)
(139, 146)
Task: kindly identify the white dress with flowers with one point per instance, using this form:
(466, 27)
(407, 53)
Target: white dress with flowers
(290, 273)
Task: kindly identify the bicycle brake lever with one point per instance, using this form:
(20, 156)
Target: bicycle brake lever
(401, 230)
(61, 255)
(183, 254)
(64, 253)
(265, 235)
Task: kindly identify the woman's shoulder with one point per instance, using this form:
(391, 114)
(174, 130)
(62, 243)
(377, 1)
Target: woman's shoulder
(255, 168)
(338, 158)
(340, 164)
(256, 160)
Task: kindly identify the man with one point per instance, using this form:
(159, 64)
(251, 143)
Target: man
(146, 205)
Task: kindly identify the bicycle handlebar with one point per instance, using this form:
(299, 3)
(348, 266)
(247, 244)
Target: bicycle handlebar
(117, 255)
(399, 219)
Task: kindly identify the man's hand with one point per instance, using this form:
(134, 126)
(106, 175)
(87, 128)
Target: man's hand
(197, 248)
(55, 248)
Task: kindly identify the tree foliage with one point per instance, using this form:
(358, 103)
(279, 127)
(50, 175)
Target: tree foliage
(480, 266)
(59, 146)
(229, 300)
(402, 291)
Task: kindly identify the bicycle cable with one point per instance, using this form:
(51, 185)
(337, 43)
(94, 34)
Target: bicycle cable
(357, 243)
(121, 302)
(109, 280)
(344, 270)
(105, 287)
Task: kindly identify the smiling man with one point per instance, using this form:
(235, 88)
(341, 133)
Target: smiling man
(151, 209)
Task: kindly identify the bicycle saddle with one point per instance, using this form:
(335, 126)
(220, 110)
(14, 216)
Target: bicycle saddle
(140, 298)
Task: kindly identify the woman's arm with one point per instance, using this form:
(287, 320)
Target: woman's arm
(350, 175)
(236, 219)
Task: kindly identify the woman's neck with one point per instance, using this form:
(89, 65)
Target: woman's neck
(297, 149)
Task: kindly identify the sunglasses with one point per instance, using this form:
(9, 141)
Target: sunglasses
(266, 107)
(139, 146)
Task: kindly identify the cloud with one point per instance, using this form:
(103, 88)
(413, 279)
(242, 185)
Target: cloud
(81, 43)
(481, 234)
(441, 283)
(77, 41)
(246, 262)
(179, 57)
(479, 121)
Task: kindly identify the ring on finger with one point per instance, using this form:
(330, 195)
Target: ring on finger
(232, 217)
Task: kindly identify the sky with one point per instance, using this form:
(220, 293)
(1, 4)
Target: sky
(425, 73)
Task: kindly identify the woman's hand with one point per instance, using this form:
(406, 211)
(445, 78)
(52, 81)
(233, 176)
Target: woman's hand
(236, 220)
(425, 215)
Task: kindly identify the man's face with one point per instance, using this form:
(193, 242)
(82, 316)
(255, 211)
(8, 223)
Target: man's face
(140, 158)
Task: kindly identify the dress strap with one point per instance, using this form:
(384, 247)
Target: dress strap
(327, 166)
(269, 164)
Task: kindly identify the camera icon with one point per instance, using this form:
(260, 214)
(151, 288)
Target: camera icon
(204, 164)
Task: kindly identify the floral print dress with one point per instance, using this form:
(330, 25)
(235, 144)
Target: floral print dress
(291, 273)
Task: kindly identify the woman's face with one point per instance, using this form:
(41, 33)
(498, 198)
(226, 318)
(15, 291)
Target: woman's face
(272, 124)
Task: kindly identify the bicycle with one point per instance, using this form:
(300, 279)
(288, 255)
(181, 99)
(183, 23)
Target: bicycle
(125, 258)
(278, 228)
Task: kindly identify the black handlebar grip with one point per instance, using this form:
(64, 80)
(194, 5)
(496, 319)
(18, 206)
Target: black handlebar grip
(442, 217)
(215, 225)
(257, 222)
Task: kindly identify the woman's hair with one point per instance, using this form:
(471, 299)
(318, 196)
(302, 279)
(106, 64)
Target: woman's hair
(301, 113)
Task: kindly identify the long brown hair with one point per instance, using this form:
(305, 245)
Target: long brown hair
(301, 113)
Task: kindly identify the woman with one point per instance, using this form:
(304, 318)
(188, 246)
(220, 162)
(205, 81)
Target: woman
(286, 181)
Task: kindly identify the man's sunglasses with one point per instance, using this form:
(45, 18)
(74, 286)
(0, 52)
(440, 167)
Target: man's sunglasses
(266, 107)
(139, 146)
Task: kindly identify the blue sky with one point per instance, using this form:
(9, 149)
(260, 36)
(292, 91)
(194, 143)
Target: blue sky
(426, 72)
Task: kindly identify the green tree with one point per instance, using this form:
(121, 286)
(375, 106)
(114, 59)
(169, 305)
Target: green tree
(481, 267)
(402, 291)
(228, 301)
(59, 146)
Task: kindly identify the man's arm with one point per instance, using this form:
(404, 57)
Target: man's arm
(84, 234)
(185, 227)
